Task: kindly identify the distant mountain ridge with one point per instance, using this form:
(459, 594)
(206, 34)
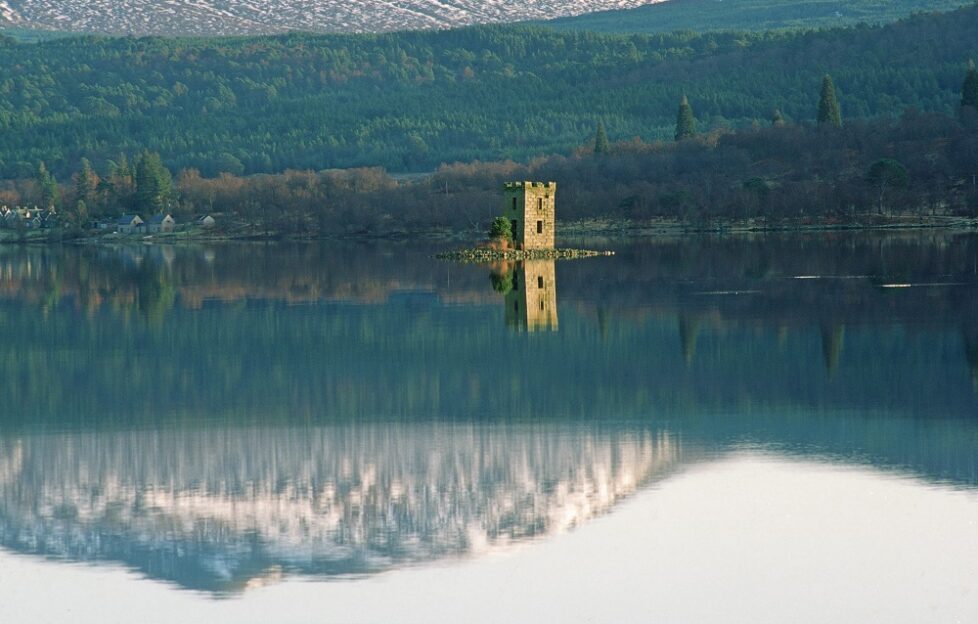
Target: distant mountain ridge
(252, 17)
(753, 15)
(249, 17)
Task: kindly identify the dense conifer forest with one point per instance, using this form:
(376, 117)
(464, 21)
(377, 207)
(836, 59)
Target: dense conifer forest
(782, 174)
(411, 101)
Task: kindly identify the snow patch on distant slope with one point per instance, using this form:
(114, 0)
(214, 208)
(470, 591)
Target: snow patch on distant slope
(235, 17)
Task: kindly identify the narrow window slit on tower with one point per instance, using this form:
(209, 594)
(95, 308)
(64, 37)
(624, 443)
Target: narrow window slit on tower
(539, 227)
(539, 281)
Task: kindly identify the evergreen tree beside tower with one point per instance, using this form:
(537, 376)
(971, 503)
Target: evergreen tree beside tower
(601, 140)
(969, 90)
(828, 105)
(685, 121)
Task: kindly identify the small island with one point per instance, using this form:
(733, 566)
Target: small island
(526, 229)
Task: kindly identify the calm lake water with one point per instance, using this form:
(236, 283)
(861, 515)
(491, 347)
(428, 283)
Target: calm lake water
(774, 429)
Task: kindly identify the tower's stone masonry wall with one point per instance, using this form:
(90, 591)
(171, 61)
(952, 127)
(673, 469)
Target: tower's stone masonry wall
(532, 207)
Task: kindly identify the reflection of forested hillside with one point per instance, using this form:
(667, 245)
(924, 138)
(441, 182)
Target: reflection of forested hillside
(218, 416)
(852, 271)
(667, 274)
(703, 323)
(129, 278)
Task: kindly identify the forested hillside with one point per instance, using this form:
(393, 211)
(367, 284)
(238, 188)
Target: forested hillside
(409, 101)
(716, 15)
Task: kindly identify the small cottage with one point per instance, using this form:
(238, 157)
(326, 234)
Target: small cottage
(206, 221)
(160, 223)
(50, 220)
(128, 224)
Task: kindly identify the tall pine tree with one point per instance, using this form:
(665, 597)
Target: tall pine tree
(118, 186)
(85, 182)
(969, 90)
(685, 121)
(153, 184)
(47, 187)
(600, 140)
(828, 105)
(122, 168)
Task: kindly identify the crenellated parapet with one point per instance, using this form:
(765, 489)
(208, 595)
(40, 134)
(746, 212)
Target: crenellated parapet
(519, 185)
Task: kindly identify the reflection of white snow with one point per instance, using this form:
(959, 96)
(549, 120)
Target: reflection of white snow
(337, 500)
(751, 529)
(254, 16)
(11, 460)
(7, 14)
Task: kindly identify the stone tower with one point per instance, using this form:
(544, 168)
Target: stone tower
(529, 206)
(531, 304)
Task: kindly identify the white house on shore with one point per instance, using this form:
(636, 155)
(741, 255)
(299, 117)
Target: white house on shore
(134, 224)
(160, 223)
(127, 224)
(23, 217)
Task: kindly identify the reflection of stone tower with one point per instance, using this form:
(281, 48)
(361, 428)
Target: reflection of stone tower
(689, 331)
(529, 206)
(532, 302)
(970, 338)
(832, 339)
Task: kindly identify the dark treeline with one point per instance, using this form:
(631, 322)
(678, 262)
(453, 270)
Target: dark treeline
(918, 164)
(411, 101)
(776, 173)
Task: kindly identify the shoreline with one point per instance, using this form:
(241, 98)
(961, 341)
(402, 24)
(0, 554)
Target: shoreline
(653, 227)
(572, 229)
